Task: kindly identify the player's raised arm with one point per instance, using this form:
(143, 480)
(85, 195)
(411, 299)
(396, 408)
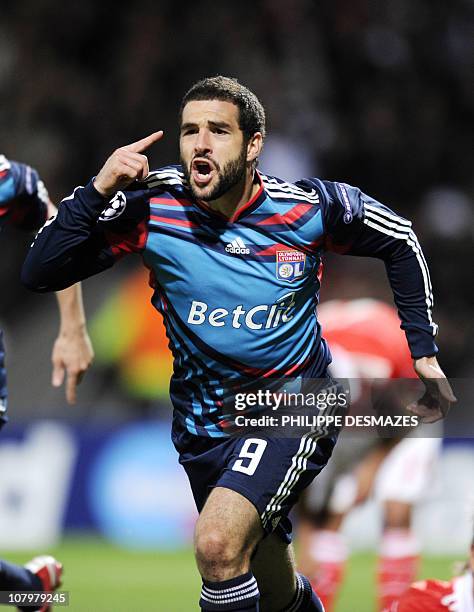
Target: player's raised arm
(356, 224)
(94, 226)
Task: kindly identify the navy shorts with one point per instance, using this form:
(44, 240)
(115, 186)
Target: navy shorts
(270, 472)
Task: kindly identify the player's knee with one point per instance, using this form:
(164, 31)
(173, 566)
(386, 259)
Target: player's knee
(214, 547)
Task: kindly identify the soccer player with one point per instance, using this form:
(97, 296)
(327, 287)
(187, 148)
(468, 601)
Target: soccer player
(456, 595)
(234, 257)
(24, 202)
(397, 471)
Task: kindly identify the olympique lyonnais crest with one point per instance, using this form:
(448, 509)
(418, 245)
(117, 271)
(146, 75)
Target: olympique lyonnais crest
(289, 265)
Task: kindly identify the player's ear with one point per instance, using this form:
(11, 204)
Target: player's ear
(254, 146)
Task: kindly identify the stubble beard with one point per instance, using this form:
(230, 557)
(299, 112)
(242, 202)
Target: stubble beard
(227, 177)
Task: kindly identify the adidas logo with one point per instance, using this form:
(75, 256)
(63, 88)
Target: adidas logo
(237, 247)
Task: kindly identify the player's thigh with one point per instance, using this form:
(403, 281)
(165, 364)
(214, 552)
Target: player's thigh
(272, 473)
(274, 564)
(229, 521)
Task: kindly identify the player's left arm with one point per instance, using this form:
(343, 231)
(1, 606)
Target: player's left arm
(356, 224)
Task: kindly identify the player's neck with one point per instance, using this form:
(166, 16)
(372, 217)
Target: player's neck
(237, 196)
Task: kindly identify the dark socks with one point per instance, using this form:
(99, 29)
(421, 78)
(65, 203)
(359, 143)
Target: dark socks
(305, 599)
(238, 594)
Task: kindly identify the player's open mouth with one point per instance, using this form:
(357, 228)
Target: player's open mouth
(202, 172)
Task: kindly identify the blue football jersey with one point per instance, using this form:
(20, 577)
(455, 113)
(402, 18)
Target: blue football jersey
(238, 295)
(23, 196)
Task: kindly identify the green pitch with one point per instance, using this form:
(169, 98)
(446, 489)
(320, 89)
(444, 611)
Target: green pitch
(102, 578)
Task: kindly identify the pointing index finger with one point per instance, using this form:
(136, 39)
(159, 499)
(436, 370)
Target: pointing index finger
(144, 143)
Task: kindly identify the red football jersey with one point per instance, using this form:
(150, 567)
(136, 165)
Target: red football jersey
(364, 336)
(438, 596)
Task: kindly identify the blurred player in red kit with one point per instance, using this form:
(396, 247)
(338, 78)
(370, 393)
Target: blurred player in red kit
(367, 343)
(456, 595)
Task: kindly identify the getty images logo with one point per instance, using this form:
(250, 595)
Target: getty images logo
(237, 247)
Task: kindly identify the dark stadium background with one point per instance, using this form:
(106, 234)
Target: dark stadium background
(375, 94)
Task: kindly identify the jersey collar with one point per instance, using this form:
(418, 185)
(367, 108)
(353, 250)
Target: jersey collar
(245, 209)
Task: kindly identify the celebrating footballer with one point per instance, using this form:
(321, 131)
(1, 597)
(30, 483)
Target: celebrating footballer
(235, 262)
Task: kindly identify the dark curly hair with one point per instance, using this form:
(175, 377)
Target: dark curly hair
(251, 111)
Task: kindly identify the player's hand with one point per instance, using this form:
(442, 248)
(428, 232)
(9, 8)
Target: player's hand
(438, 397)
(72, 355)
(125, 165)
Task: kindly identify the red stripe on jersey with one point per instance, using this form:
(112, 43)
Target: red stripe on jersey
(170, 201)
(312, 246)
(205, 206)
(180, 222)
(289, 217)
(247, 205)
(278, 372)
(271, 250)
(132, 242)
(320, 272)
(295, 367)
